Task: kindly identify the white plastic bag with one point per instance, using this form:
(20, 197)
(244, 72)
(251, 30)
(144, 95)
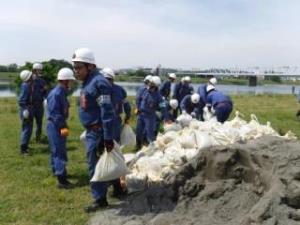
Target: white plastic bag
(127, 136)
(110, 166)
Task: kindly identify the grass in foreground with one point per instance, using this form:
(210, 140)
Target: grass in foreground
(28, 193)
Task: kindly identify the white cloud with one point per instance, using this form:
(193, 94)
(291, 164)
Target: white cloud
(173, 33)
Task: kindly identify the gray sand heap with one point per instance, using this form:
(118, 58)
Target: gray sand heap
(248, 184)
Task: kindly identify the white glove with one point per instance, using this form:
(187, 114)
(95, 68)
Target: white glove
(83, 136)
(193, 114)
(26, 114)
(45, 103)
(213, 111)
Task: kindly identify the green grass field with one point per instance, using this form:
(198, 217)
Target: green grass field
(28, 193)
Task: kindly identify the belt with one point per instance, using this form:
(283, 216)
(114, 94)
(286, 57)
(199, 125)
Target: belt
(93, 127)
(223, 103)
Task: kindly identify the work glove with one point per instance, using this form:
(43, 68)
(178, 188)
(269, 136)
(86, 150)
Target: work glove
(25, 114)
(213, 111)
(109, 145)
(45, 103)
(126, 121)
(64, 132)
(168, 121)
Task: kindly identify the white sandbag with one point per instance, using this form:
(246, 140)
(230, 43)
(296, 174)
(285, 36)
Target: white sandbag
(190, 153)
(175, 155)
(184, 119)
(207, 115)
(128, 136)
(236, 122)
(110, 166)
(187, 139)
(136, 182)
(129, 157)
(203, 140)
(172, 127)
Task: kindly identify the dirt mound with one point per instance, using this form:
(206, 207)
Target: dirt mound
(248, 184)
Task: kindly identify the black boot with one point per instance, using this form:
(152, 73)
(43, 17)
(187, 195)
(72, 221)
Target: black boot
(24, 150)
(118, 191)
(96, 205)
(63, 183)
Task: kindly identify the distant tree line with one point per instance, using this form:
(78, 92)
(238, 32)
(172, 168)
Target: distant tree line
(50, 70)
(9, 68)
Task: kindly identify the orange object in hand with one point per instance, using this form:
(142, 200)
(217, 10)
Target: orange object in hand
(64, 132)
(136, 111)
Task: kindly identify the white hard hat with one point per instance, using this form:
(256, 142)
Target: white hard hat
(213, 81)
(210, 87)
(25, 75)
(65, 74)
(156, 80)
(148, 78)
(108, 73)
(174, 103)
(84, 55)
(172, 75)
(187, 79)
(37, 66)
(195, 98)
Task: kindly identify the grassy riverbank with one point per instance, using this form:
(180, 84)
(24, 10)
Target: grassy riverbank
(28, 193)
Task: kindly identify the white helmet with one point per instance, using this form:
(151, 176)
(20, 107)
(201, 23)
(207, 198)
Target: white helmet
(65, 74)
(25, 75)
(195, 98)
(172, 75)
(108, 73)
(187, 79)
(213, 81)
(84, 55)
(156, 81)
(174, 103)
(37, 66)
(148, 78)
(210, 87)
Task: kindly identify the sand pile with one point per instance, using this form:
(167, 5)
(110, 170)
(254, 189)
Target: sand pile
(249, 184)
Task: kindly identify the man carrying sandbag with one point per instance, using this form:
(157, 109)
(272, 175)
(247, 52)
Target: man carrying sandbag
(96, 115)
(120, 105)
(57, 129)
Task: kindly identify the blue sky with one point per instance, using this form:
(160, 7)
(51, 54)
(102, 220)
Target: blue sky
(174, 33)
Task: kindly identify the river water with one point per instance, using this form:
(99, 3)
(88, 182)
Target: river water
(131, 88)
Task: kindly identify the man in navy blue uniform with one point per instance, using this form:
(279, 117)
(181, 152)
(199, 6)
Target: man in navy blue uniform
(119, 102)
(193, 105)
(182, 89)
(39, 95)
(165, 88)
(120, 105)
(96, 115)
(172, 110)
(151, 102)
(202, 88)
(26, 109)
(219, 104)
(57, 129)
(141, 138)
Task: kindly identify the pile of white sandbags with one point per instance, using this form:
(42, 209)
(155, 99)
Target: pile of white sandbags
(181, 141)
